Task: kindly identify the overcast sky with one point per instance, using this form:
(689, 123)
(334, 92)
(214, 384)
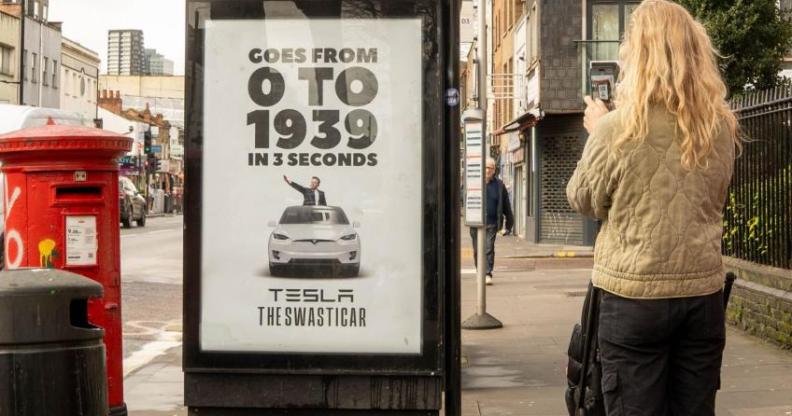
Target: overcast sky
(87, 22)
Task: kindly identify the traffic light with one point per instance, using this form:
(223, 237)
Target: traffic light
(147, 142)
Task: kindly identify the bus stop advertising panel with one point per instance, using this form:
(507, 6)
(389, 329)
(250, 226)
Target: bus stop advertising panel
(320, 203)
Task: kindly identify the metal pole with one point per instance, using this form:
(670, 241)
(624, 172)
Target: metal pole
(482, 320)
(481, 288)
(22, 55)
(481, 56)
(40, 70)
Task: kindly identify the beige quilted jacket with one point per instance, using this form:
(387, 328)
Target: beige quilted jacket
(662, 225)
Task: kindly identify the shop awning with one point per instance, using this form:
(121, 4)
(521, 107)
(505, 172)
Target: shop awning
(522, 122)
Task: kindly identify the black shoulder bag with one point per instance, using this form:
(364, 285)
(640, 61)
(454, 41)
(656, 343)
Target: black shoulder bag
(584, 370)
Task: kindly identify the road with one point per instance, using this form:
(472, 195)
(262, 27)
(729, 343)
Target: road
(151, 288)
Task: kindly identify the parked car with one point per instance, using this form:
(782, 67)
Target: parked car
(312, 241)
(132, 204)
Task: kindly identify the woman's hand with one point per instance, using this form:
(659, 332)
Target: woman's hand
(595, 109)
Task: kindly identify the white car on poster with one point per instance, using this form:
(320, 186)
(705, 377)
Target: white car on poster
(314, 241)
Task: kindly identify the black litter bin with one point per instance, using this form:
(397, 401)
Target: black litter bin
(52, 361)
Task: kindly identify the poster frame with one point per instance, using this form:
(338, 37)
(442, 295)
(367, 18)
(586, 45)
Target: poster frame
(439, 197)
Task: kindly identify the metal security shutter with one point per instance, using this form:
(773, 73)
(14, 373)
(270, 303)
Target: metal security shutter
(559, 223)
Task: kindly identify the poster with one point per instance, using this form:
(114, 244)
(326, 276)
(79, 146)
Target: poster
(474, 174)
(312, 187)
(81, 241)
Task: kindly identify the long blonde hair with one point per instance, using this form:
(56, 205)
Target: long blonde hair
(668, 59)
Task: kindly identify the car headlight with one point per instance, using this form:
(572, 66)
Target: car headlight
(349, 237)
(280, 237)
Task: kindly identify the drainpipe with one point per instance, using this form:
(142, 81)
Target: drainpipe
(41, 61)
(22, 55)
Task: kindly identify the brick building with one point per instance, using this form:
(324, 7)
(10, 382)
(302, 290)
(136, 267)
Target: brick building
(541, 52)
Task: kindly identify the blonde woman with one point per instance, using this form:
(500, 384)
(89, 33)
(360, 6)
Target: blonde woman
(656, 172)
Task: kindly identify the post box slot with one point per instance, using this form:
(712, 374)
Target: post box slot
(78, 192)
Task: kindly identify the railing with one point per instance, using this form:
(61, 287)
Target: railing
(758, 214)
(506, 86)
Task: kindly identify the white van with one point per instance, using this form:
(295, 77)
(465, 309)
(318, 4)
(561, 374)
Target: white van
(17, 117)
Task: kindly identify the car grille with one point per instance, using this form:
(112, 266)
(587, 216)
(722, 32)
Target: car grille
(317, 241)
(314, 262)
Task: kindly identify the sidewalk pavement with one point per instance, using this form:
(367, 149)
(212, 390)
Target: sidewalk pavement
(519, 370)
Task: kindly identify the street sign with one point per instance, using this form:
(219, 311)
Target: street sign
(326, 137)
(156, 148)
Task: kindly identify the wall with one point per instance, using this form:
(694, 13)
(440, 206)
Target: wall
(9, 38)
(144, 86)
(561, 22)
(79, 79)
(162, 94)
(761, 301)
(50, 43)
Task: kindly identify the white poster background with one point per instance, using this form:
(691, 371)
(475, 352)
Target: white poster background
(239, 201)
(81, 241)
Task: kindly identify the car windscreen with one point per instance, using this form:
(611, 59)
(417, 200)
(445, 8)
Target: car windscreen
(127, 185)
(310, 215)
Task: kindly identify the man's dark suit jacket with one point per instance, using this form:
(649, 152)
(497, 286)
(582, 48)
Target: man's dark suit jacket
(308, 195)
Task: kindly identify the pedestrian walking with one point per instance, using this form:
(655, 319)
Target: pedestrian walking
(499, 213)
(656, 171)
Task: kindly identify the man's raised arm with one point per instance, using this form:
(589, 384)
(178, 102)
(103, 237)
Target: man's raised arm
(293, 185)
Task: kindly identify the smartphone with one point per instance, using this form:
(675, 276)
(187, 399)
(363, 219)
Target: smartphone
(603, 76)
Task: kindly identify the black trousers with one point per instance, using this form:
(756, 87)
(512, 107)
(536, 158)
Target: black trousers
(661, 357)
(489, 246)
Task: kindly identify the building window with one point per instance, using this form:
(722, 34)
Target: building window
(66, 82)
(532, 43)
(605, 27)
(608, 21)
(34, 69)
(24, 64)
(628, 11)
(45, 75)
(54, 73)
(6, 60)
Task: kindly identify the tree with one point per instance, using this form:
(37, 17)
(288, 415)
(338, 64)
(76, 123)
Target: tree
(753, 36)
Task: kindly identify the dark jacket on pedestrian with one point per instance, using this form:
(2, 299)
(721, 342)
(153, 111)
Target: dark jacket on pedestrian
(503, 209)
(308, 195)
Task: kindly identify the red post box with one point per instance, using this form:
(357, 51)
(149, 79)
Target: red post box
(60, 196)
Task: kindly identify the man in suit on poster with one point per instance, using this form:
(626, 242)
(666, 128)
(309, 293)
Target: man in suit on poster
(312, 195)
